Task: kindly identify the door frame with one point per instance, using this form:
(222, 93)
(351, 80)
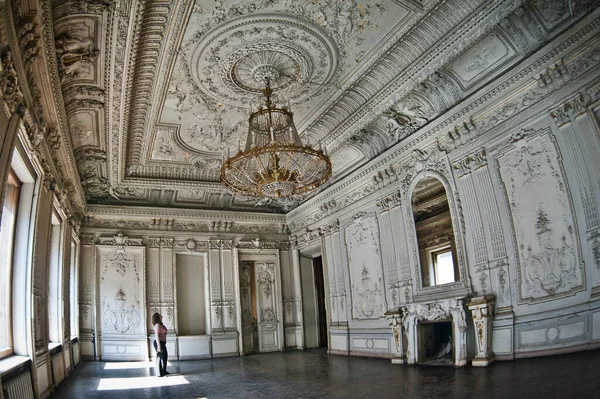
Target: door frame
(264, 256)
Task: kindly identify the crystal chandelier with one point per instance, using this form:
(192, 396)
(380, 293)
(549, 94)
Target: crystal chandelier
(274, 165)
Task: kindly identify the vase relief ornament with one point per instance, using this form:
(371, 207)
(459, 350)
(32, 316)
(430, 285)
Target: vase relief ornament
(546, 232)
(365, 267)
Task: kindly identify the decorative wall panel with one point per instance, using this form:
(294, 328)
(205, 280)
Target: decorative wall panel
(481, 59)
(546, 232)
(122, 289)
(365, 267)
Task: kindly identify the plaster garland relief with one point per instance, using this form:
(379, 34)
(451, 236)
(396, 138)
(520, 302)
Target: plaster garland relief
(547, 238)
(361, 240)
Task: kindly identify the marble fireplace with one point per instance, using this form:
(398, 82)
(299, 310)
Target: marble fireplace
(444, 321)
(436, 332)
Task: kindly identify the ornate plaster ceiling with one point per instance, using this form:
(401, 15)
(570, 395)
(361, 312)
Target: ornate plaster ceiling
(156, 91)
(155, 102)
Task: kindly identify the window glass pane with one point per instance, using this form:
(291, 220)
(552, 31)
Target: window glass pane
(444, 268)
(7, 237)
(74, 305)
(54, 280)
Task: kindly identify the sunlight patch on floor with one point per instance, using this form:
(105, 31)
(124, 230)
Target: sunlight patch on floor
(130, 365)
(109, 384)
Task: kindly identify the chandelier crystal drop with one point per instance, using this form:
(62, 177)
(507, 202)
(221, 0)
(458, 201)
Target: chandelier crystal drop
(274, 164)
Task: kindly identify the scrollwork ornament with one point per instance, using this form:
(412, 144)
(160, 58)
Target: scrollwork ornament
(569, 110)
(9, 83)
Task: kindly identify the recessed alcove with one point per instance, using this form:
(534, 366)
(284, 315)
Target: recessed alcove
(193, 328)
(435, 233)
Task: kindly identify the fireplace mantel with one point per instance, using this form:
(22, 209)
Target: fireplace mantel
(441, 310)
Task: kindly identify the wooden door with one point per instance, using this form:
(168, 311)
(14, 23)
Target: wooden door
(266, 307)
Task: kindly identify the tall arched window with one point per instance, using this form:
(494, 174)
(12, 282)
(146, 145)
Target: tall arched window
(55, 280)
(435, 234)
(73, 289)
(15, 264)
(8, 226)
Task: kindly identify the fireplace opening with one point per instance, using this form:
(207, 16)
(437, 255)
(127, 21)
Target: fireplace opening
(436, 343)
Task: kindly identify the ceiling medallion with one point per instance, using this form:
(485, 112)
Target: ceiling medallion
(275, 164)
(230, 62)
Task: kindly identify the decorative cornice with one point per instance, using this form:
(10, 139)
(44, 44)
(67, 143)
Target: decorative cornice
(471, 162)
(330, 228)
(389, 201)
(120, 240)
(569, 110)
(87, 239)
(98, 210)
(305, 238)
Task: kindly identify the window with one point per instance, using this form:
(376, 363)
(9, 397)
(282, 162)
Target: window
(20, 267)
(7, 240)
(55, 280)
(73, 289)
(443, 266)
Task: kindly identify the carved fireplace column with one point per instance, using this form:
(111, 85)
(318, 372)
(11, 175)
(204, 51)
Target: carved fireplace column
(398, 352)
(481, 309)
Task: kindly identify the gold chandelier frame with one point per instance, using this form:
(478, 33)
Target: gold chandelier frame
(275, 164)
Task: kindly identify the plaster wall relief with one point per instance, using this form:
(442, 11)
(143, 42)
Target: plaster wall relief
(365, 271)
(579, 133)
(84, 128)
(341, 279)
(153, 278)
(345, 159)
(553, 13)
(121, 290)
(546, 233)
(165, 147)
(87, 283)
(476, 244)
(227, 266)
(401, 248)
(77, 50)
(331, 277)
(336, 274)
(393, 291)
(494, 51)
(492, 248)
(288, 289)
(216, 304)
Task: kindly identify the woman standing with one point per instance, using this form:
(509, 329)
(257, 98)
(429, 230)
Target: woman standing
(160, 344)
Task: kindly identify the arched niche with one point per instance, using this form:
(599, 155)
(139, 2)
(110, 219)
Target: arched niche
(435, 233)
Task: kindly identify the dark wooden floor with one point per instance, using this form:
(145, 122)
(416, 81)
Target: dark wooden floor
(314, 374)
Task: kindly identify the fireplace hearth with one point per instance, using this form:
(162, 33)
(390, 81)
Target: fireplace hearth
(436, 343)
